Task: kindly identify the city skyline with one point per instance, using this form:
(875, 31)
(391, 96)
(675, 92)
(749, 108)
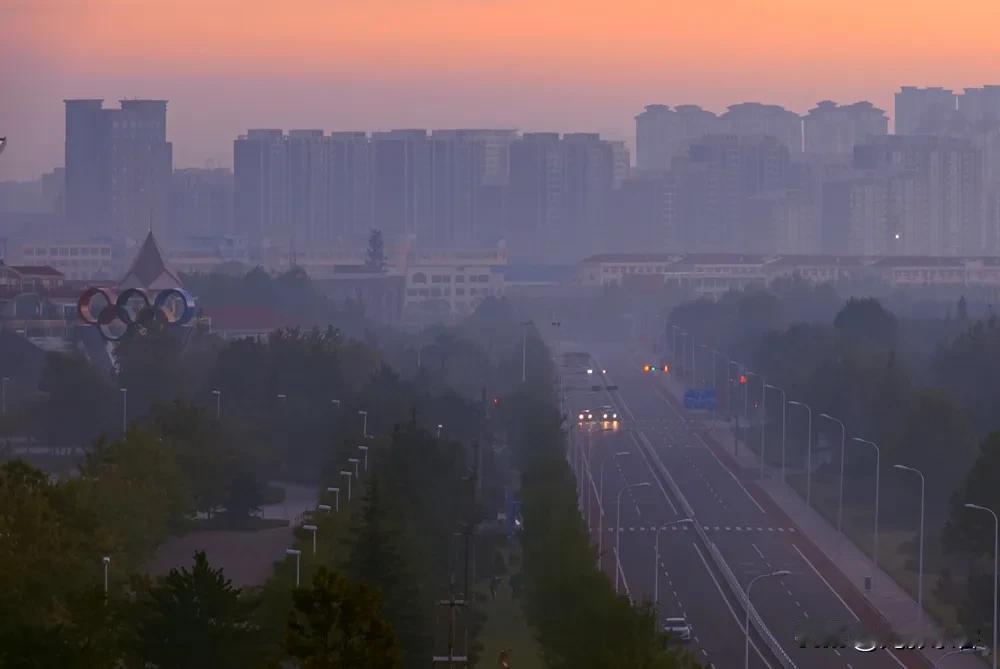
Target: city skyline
(394, 64)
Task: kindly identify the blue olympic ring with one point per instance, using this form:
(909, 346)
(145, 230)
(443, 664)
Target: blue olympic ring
(170, 307)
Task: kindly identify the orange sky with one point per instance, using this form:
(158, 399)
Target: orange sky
(226, 65)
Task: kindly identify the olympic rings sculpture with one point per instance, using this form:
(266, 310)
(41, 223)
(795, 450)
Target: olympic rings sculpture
(131, 312)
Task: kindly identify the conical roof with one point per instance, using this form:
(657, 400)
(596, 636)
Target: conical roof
(149, 270)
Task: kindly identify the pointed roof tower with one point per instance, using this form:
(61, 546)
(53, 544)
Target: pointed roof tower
(149, 270)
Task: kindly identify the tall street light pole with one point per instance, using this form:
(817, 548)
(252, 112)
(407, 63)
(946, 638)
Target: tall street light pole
(124, 392)
(878, 458)
(364, 450)
(298, 559)
(746, 628)
(618, 529)
(920, 562)
(348, 473)
(313, 529)
(996, 552)
(364, 427)
(600, 500)
(656, 558)
(783, 411)
(336, 493)
(843, 457)
(357, 466)
(107, 562)
(809, 449)
(218, 404)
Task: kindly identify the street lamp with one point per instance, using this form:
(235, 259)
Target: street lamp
(313, 529)
(364, 429)
(364, 450)
(218, 404)
(355, 462)
(783, 411)
(439, 428)
(600, 496)
(996, 550)
(107, 562)
(298, 559)
(618, 529)
(746, 628)
(843, 455)
(920, 564)
(282, 396)
(124, 392)
(324, 507)
(336, 492)
(809, 457)
(335, 402)
(877, 459)
(656, 564)
(347, 473)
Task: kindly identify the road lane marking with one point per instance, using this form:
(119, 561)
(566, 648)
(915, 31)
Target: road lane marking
(759, 553)
(730, 472)
(739, 622)
(835, 593)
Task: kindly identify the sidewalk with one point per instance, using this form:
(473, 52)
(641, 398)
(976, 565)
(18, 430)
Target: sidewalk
(845, 564)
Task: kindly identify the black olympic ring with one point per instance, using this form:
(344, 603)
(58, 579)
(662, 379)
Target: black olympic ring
(119, 318)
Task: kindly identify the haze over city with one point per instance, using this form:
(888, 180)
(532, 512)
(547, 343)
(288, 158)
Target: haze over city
(527, 64)
(480, 334)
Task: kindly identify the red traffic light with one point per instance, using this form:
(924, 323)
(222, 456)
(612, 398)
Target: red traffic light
(666, 368)
(743, 378)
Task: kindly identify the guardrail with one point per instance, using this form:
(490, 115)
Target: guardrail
(720, 562)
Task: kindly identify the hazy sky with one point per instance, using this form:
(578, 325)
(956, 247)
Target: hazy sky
(227, 65)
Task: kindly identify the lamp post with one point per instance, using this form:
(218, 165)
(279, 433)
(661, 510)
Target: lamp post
(439, 428)
(920, 561)
(335, 403)
(809, 457)
(124, 392)
(746, 397)
(298, 560)
(336, 492)
(996, 551)
(348, 473)
(324, 507)
(218, 404)
(656, 562)
(877, 461)
(364, 450)
(364, 427)
(729, 388)
(618, 529)
(600, 496)
(746, 629)
(357, 465)
(783, 410)
(107, 562)
(282, 396)
(843, 457)
(313, 529)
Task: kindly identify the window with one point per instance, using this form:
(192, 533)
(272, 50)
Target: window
(29, 251)
(435, 292)
(460, 291)
(419, 277)
(105, 252)
(460, 278)
(412, 292)
(484, 278)
(74, 251)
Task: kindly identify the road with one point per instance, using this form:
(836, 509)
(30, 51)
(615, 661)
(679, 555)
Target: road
(753, 536)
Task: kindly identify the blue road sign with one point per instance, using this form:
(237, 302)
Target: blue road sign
(700, 398)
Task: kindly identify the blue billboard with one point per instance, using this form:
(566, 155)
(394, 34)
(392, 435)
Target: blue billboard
(700, 399)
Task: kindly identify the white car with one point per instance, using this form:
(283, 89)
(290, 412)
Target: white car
(608, 414)
(677, 628)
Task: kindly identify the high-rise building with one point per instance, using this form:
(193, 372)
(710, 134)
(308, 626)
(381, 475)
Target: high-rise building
(401, 183)
(201, 202)
(350, 185)
(646, 210)
(118, 167)
(260, 166)
(832, 129)
(980, 107)
(308, 184)
(937, 200)
(588, 177)
(923, 111)
(535, 197)
(756, 119)
(662, 133)
(714, 182)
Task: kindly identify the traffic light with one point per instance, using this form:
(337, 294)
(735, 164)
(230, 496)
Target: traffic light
(646, 369)
(743, 379)
(666, 368)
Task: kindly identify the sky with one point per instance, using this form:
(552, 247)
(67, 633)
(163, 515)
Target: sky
(564, 65)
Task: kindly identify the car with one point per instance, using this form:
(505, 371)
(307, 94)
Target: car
(677, 628)
(585, 416)
(607, 414)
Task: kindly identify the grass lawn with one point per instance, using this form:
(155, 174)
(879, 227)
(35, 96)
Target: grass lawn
(506, 627)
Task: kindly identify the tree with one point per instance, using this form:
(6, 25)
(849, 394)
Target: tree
(375, 258)
(80, 403)
(245, 496)
(865, 319)
(195, 618)
(962, 310)
(336, 624)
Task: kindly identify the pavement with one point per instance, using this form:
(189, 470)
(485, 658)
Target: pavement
(757, 527)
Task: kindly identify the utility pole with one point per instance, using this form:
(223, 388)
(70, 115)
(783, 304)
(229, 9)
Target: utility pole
(451, 659)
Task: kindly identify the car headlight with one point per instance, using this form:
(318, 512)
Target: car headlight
(581, 416)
